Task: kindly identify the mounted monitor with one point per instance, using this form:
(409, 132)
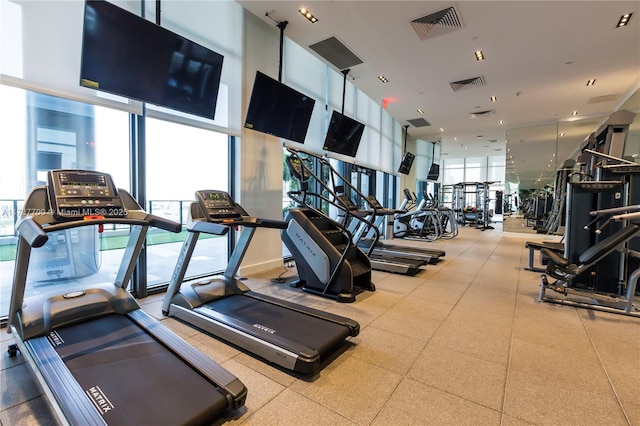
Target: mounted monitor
(129, 56)
(344, 134)
(407, 162)
(278, 110)
(434, 172)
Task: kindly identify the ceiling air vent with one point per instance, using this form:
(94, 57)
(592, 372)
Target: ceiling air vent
(418, 122)
(605, 98)
(437, 23)
(468, 83)
(336, 53)
(478, 114)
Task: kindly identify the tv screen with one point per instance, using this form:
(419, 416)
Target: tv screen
(129, 56)
(279, 110)
(407, 162)
(434, 172)
(344, 134)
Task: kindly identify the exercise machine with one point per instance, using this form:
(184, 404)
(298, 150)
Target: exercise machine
(385, 216)
(328, 261)
(287, 334)
(98, 357)
(586, 294)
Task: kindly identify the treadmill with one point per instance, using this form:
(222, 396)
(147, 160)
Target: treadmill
(290, 335)
(98, 358)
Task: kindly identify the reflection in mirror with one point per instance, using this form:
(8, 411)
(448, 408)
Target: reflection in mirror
(535, 153)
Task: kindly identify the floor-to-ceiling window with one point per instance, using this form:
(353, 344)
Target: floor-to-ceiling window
(40, 133)
(181, 160)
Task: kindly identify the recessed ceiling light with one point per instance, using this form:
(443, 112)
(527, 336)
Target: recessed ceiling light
(479, 55)
(574, 113)
(383, 79)
(305, 12)
(624, 20)
(420, 111)
(441, 129)
(561, 134)
(494, 99)
(591, 82)
(501, 122)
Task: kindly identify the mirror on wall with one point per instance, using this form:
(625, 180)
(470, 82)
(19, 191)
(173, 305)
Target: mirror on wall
(535, 153)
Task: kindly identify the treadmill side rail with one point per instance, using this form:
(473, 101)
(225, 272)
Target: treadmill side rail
(231, 386)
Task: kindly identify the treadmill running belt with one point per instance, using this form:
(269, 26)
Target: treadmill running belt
(131, 378)
(321, 335)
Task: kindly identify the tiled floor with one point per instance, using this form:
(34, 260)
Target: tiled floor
(463, 342)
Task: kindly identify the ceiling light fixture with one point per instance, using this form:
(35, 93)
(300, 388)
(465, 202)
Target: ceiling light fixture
(383, 79)
(624, 20)
(501, 122)
(494, 99)
(574, 113)
(304, 12)
(561, 134)
(441, 129)
(479, 55)
(591, 82)
(420, 111)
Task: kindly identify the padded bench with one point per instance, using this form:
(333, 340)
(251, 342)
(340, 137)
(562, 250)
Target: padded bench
(537, 245)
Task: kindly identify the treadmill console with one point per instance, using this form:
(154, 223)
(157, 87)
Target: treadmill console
(219, 206)
(76, 194)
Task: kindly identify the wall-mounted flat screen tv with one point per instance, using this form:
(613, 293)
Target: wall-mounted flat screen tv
(129, 56)
(406, 163)
(344, 134)
(279, 110)
(434, 172)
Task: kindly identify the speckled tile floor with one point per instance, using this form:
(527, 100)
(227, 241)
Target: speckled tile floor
(463, 342)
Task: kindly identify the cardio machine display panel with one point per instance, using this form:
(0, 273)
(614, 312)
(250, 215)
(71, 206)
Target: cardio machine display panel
(75, 194)
(219, 206)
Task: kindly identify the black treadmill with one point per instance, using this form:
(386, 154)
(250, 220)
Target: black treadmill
(98, 358)
(290, 335)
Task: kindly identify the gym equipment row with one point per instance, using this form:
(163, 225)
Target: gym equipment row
(597, 264)
(470, 202)
(424, 220)
(81, 343)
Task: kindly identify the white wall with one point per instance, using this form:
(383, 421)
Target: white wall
(259, 164)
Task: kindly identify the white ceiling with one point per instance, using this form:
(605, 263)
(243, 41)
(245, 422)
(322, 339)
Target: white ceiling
(539, 56)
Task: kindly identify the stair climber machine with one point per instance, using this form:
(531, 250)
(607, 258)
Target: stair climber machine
(329, 263)
(431, 256)
(284, 333)
(365, 231)
(98, 358)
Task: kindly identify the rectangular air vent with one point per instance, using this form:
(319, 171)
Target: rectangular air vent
(605, 98)
(336, 53)
(468, 83)
(437, 23)
(418, 122)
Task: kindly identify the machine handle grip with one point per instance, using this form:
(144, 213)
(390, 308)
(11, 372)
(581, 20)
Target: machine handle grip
(165, 224)
(32, 232)
(271, 223)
